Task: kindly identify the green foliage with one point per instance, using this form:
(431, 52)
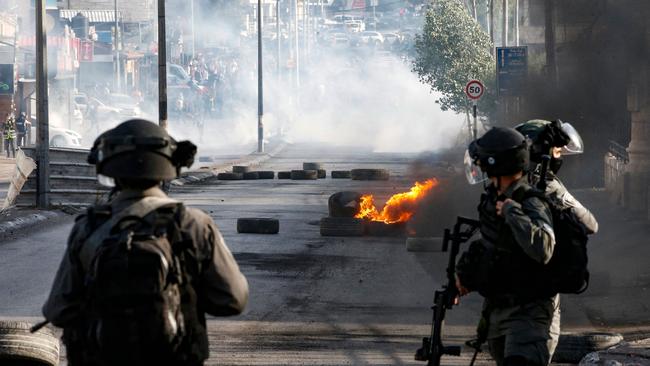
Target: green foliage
(452, 50)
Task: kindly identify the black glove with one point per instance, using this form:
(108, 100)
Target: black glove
(554, 136)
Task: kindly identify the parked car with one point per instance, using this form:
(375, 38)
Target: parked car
(391, 38)
(59, 136)
(369, 37)
(126, 104)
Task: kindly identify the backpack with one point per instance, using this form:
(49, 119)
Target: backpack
(134, 285)
(567, 271)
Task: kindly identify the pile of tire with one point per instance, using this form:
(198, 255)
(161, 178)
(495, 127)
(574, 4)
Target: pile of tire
(242, 172)
(18, 346)
(369, 174)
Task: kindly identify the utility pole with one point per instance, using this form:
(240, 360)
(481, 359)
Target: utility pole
(278, 32)
(43, 126)
(260, 84)
(474, 10)
(118, 68)
(505, 24)
(296, 44)
(162, 66)
(491, 20)
(549, 40)
(516, 22)
(192, 26)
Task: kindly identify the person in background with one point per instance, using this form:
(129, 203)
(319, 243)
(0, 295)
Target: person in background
(21, 129)
(9, 133)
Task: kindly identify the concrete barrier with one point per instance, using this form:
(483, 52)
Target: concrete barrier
(73, 182)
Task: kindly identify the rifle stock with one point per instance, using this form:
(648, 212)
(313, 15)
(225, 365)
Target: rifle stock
(432, 347)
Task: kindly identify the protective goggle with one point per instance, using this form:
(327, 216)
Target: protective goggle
(575, 145)
(473, 172)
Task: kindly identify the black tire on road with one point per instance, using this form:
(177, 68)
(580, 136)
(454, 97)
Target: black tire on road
(240, 169)
(379, 228)
(369, 174)
(230, 176)
(322, 173)
(304, 174)
(341, 226)
(430, 244)
(284, 175)
(251, 176)
(19, 345)
(341, 174)
(311, 166)
(257, 225)
(572, 347)
(266, 174)
(344, 204)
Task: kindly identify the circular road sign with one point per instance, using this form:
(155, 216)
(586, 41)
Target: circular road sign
(474, 89)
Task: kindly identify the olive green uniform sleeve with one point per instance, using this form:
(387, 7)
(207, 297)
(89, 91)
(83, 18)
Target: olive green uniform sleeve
(556, 190)
(224, 289)
(532, 227)
(67, 293)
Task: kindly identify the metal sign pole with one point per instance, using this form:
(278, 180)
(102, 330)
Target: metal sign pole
(475, 127)
(162, 66)
(42, 130)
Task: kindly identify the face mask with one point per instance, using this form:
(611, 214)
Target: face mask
(555, 165)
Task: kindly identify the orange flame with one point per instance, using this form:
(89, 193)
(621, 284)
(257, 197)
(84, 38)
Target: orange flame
(399, 208)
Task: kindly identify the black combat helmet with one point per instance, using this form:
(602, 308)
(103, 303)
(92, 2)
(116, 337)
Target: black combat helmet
(139, 149)
(501, 151)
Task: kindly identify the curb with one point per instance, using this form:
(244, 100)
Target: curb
(32, 219)
(248, 160)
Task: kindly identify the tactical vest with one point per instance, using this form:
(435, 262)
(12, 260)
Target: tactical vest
(511, 273)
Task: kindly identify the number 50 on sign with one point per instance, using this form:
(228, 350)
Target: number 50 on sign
(474, 90)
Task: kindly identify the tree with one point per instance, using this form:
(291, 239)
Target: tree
(452, 50)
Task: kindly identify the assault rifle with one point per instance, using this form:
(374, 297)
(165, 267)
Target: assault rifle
(432, 347)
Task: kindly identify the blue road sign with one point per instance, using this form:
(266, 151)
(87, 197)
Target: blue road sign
(512, 68)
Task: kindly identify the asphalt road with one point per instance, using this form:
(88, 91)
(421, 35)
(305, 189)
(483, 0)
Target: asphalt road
(346, 301)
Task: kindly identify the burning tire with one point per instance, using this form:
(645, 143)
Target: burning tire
(340, 174)
(322, 173)
(230, 176)
(573, 347)
(258, 226)
(370, 174)
(240, 169)
(284, 175)
(431, 244)
(251, 176)
(266, 174)
(304, 174)
(18, 344)
(341, 226)
(379, 228)
(344, 204)
(311, 166)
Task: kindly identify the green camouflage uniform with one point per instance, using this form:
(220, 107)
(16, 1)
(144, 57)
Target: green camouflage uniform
(524, 329)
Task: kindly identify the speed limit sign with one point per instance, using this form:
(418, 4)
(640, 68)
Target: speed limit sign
(474, 90)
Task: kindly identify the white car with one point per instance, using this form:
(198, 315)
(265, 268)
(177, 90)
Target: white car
(59, 137)
(371, 38)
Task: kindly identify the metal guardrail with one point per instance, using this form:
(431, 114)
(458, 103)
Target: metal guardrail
(619, 151)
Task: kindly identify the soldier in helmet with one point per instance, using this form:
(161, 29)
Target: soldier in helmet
(517, 240)
(556, 139)
(140, 273)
